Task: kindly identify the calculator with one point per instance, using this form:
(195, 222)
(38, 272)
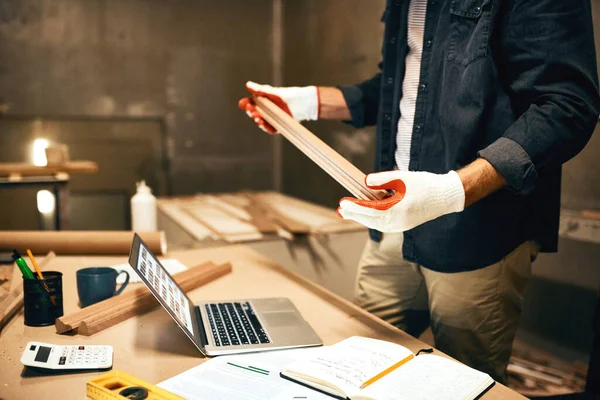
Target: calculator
(54, 357)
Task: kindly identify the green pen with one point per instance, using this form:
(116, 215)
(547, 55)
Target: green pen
(22, 264)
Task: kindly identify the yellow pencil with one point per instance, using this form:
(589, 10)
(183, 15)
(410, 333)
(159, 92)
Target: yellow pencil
(39, 274)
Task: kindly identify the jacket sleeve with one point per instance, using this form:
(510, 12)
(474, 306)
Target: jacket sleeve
(363, 101)
(549, 69)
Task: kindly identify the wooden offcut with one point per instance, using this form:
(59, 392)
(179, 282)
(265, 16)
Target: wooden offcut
(107, 313)
(251, 216)
(340, 169)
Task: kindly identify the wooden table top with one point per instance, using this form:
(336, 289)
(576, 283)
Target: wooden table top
(153, 348)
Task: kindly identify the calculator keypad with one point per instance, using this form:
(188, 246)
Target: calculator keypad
(85, 356)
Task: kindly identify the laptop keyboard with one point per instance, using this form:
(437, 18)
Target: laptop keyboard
(235, 324)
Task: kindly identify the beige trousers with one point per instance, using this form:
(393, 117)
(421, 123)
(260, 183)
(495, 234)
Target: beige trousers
(473, 315)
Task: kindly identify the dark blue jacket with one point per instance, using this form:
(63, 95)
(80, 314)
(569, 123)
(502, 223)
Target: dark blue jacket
(512, 81)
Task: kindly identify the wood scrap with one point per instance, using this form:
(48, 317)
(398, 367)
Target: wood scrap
(172, 208)
(318, 151)
(317, 219)
(251, 216)
(259, 201)
(257, 218)
(221, 223)
(231, 209)
(133, 302)
(248, 214)
(6, 273)
(12, 303)
(591, 214)
(539, 374)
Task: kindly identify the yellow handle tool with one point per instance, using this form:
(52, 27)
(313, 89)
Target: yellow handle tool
(121, 386)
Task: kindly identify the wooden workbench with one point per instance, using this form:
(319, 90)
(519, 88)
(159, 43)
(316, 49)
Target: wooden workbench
(153, 348)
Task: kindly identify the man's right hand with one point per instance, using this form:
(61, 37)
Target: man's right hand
(302, 103)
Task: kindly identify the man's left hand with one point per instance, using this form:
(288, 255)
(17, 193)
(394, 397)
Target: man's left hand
(418, 197)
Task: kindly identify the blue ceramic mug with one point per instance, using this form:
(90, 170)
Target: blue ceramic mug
(95, 284)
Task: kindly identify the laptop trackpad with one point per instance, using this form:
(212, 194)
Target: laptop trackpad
(282, 318)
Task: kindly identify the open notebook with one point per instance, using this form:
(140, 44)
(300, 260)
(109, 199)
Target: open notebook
(361, 368)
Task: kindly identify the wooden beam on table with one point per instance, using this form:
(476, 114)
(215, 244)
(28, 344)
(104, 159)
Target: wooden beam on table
(102, 315)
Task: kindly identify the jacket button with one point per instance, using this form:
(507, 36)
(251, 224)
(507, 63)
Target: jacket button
(428, 43)
(423, 88)
(390, 80)
(388, 117)
(417, 128)
(477, 10)
(393, 40)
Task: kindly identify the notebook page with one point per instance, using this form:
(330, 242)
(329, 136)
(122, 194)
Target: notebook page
(351, 362)
(429, 377)
(242, 377)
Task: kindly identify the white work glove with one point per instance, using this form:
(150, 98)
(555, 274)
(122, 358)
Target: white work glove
(418, 197)
(302, 103)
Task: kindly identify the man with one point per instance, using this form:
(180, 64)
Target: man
(477, 105)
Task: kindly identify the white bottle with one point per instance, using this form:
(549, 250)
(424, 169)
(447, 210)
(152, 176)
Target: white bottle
(143, 209)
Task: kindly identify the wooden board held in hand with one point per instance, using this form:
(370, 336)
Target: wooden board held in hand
(340, 169)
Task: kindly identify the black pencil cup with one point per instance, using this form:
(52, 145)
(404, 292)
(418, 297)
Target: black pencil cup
(43, 299)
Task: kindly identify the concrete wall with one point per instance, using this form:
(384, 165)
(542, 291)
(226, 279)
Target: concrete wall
(181, 63)
(330, 43)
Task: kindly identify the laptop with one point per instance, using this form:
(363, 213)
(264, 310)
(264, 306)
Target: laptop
(224, 327)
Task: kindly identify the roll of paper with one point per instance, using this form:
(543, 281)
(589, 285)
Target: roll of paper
(80, 242)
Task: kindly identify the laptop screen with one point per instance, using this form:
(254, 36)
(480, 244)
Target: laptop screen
(166, 291)
(164, 286)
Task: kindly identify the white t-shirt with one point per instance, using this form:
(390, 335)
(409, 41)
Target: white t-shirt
(410, 85)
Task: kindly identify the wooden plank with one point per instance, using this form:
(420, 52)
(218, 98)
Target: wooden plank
(231, 209)
(328, 159)
(221, 223)
(70, 167)
(14, 301)
(289, 224)
(591, 214)
(172, 208)
(109, 312)
(317, 157)
(256, 218)
(317, 219)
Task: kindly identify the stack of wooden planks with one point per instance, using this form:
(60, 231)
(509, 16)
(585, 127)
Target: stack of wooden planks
(138, 300)
(251, 216)
(340, 169)
(537, 373)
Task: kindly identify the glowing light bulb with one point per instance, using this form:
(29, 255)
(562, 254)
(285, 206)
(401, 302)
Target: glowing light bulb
(45, 202)
(39, 152)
